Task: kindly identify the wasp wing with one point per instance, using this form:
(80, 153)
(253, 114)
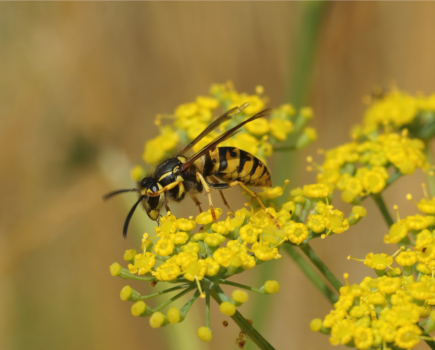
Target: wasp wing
(223, 118)
(221, 138)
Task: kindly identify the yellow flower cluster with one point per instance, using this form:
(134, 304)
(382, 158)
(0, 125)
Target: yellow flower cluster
(257, 137)
(360, 168)
(398, 109)
(201, 259)
(380, 312)
(418, 232)
(390, 143)
(251, 238)
(386, 311)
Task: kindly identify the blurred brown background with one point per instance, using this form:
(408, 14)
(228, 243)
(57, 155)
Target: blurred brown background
(80, 84)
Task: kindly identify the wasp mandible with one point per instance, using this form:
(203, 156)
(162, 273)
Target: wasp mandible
(211, 167)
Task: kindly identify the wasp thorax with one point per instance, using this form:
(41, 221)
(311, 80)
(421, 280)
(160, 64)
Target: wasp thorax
(152, 205)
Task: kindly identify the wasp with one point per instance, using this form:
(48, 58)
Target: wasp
(212, 167)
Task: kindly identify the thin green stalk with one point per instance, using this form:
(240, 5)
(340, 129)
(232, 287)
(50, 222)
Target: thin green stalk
(219, 296)
(393, 178)
(185, 309)
(314, 258)
(164, 291)
(312, 275)
(127, 275)
(175, 297)
(312, 13)
(430, 178)
(239, 285)
(207, 308)
(262, 314)
(383, 208)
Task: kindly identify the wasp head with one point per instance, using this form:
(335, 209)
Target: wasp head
(152, 204)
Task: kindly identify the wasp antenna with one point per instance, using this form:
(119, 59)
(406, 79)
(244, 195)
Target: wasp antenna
(130, 214)
(111, 194)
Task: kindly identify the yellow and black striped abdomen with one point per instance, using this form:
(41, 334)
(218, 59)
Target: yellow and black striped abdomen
(231, 164)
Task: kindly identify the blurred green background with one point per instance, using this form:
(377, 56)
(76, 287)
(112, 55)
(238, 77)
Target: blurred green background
(80, 84)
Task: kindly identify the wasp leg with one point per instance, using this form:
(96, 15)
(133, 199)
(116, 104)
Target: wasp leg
(207, 189)
(167, 208)
(216, 181)
(164, 189)
(197, 202)
(254, 196)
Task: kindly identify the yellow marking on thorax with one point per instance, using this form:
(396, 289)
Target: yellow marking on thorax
(181, 159)
(181, 190)
(165, 175)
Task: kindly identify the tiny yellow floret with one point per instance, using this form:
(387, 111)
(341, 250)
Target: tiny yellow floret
(138, 308)
(204, 333)
(316, 324)
(174, 315)
(115, 269)
(126, 292)
(227, 308)
(129, 254)
(240, 296)
(271, 287)
(157, 319)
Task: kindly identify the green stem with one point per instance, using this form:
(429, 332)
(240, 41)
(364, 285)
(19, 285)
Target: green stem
(218, 294)
(175, 297)
(185, 309)
(305, 50)
(303, 57)
(235, 284)
(160, 258)
(165, 291)
(314, 258)
(207, 308)
(383, 208)
(393, 178)
(312, 275)
(127, 275)
(430, 178)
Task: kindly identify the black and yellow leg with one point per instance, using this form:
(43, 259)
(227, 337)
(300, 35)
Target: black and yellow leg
(254, 196)
(216, 181)
(164, 189)
(207, 189)
(197, 202)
